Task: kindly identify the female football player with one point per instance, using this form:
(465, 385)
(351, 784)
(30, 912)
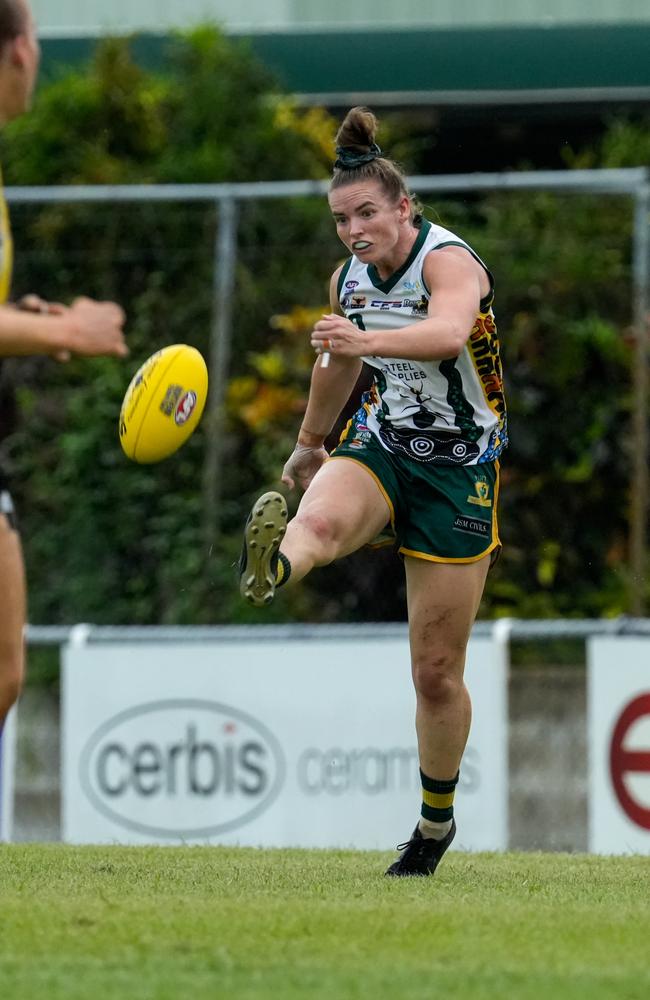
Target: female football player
(32, 327)
(419, 458)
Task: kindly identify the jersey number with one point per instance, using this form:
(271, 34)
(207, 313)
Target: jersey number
(357, 319)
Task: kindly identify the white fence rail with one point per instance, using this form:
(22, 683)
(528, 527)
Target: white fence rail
(503, 628)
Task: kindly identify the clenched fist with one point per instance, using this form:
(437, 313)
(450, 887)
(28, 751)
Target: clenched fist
(96, 329)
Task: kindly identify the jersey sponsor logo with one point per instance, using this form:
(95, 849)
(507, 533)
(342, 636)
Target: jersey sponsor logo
(472, 525)
(405, 371)
(381, 304)
(421, 307)
(351, 285)
(360, 437)
(412, 286)
(358, 301)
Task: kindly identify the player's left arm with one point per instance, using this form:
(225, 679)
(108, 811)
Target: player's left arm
(35, 304)
(86, 328)
(454, 278)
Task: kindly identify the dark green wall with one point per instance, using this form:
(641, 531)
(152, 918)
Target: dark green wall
(596, 56)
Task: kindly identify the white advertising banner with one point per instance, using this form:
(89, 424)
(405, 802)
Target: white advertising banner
(273, 742)
(619, 745)
(7, 772)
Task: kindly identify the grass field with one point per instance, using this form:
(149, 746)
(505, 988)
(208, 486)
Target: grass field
(175, 923)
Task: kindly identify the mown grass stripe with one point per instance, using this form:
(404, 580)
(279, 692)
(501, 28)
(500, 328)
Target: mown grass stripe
(165, 923)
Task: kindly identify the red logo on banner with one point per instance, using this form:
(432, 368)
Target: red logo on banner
(623, 762)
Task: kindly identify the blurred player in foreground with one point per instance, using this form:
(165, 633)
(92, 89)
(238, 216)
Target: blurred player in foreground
(32, 327)
(419, 458)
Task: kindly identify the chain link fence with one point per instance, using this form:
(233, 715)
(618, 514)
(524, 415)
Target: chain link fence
(212, 265)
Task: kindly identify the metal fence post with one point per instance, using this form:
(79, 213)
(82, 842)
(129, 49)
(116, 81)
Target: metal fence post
(225, 257)
(639, 481)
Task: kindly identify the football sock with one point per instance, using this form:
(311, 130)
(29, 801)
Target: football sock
(282, 570)
(437, 810)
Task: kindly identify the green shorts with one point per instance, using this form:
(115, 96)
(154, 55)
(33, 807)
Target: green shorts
(444, 513)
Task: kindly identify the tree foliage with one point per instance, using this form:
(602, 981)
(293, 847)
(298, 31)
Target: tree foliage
(108, 541)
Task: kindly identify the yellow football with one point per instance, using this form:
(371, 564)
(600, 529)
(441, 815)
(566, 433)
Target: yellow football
(163, 403)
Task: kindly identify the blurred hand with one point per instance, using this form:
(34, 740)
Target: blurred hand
(35, 304)
(97, 328)
(303, 465)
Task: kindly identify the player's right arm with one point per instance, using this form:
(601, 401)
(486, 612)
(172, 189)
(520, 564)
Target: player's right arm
(330, 387)
(329, 392)
(86, 328)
